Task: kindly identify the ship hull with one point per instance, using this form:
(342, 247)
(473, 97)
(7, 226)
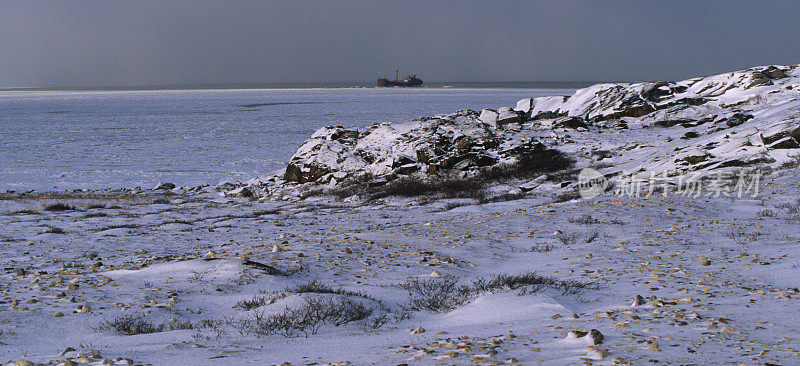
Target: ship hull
(400, 83)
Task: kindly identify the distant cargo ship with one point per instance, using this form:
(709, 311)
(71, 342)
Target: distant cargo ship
(408, 80)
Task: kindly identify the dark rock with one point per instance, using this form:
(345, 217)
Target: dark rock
(784, 143)
(403, 160)
(737, 119)
(241, 192)
(570, 122)
(406, 169)
(344, 134)
(690, 135)
(779, 131)
(759, 79)
(165, 186)
(296, 174)
(484, 159)
(674, 122)
(773, 72)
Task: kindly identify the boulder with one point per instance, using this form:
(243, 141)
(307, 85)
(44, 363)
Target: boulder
(489, 117)
(164, 186)
(507, 115)
(784, 143)
(737, 119)
(406, 169)
(531, 185)
(774, 73)
(779, 131)
(525, 106)
(570, 122)
(241, 192)
(690, 135)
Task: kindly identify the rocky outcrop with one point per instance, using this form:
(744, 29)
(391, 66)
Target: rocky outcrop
(719, 121)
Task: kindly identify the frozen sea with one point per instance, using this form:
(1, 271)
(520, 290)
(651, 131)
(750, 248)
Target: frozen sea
(55, 140)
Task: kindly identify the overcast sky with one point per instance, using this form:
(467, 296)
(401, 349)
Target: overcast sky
(104, 43)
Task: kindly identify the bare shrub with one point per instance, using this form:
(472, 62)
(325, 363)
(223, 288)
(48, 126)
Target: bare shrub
(567, 238)
(54, 230)
(794, 162)
(792, 211)
(58, 206)
(513, 282)
(585, 220)
(315, 287)
(134, 323)
(542, 248)
(260, 300)
(131, 324)
(742, 236)
(307, 318)
(436, 294)
(441, 294)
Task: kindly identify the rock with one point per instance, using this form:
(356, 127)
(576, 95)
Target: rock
(241, 192)
(23, 363)
(507, 115)
(592, 337)
(773, 72)
(570, 122)
(347, 250)
(595, 336)
(407, 169)
(435, 274)
(21, 272)
(69, 362)
(638, 301)
(599, 353)
(164, 186)
(66, 350)
(784, 143)
(737, 119)
(690, 135)
(418, 330)
(276, 248)
(83, 308)
(693, 156)
(58, 314)
(489, 117)
(525, 106)
(779, 131)
(576, 333)
(532, 184)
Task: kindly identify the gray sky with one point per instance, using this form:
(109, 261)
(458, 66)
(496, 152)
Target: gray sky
(103, 43)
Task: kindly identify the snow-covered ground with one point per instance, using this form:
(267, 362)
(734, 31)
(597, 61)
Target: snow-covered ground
(198, 276)
(717, 275)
